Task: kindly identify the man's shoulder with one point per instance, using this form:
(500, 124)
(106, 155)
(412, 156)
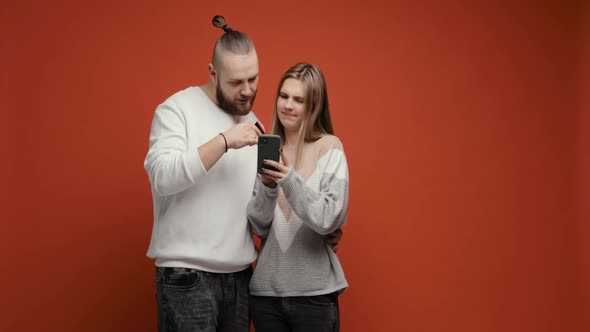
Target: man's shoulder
(190, 98)
(182, 103)
(191, 93)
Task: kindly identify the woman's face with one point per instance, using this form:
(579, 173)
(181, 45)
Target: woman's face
(291, 104)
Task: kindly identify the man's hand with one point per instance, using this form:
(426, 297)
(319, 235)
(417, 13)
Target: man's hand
(241, 135)
(333, 239)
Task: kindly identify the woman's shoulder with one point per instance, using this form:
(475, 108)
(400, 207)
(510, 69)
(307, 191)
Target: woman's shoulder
(329, 141)
(328, 144)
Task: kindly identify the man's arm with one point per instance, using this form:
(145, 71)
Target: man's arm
(170, 166)
(173, 168)
(241, 135)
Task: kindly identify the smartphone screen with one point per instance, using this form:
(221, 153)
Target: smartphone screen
(268, 148)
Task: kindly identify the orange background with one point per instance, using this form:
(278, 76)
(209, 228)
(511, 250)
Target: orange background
(466, 127)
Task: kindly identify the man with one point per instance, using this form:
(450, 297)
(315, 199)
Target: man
(202, 166)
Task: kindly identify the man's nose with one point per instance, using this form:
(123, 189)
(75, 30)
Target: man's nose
(246, 91)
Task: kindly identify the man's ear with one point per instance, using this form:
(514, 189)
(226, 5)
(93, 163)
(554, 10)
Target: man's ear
(213, 74)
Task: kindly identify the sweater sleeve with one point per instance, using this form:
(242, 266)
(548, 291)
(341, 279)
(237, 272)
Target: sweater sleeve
(322, 211)
(171, 167)
(261, 208)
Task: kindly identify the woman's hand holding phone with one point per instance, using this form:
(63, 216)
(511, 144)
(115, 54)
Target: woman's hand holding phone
(268, 181)
(270, 177)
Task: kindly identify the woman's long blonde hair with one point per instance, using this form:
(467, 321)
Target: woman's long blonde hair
(316, 120)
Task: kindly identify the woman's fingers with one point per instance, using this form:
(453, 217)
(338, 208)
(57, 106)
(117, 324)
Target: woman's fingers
(282, 168)
(274, 174)
(268, 180)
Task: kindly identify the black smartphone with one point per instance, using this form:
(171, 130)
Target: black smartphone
(268, 148)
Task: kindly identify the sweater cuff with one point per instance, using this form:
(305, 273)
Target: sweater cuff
(264, 190)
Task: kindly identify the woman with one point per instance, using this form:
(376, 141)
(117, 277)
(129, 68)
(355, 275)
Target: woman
(298, 277)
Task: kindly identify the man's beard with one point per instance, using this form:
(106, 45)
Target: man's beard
(231, 108)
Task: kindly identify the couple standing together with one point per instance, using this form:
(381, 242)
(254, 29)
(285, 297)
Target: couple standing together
(207, 199)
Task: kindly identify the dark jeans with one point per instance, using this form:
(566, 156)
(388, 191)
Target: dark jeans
(300, 313)
(193, 300)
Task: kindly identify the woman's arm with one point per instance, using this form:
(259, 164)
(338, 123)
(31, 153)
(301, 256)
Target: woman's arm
(322, 211)
(261, 208)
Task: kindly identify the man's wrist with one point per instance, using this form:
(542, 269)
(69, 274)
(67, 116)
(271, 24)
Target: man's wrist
(224, 141)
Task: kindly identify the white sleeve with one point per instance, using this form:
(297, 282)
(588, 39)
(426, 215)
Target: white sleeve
(171, 167)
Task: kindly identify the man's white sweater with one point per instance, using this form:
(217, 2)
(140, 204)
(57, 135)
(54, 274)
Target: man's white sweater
(199, 217)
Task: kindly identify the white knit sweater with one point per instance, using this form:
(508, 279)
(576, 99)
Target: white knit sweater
(199, 217)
